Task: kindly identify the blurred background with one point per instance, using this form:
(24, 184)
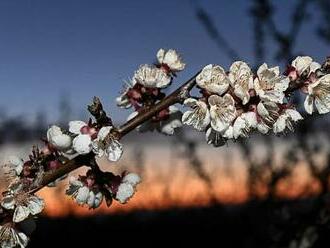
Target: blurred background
(266, 191)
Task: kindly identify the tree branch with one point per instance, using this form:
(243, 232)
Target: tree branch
(178, 96)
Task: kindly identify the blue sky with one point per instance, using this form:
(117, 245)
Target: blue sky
(84, 48)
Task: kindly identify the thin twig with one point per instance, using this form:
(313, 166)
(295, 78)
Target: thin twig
(177, 96)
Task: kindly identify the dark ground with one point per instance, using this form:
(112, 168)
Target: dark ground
(256, 224)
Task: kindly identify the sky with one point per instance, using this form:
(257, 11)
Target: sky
(82, 48)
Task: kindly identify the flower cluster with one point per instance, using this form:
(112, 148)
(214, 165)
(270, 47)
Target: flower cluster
(314, 81)
(23, 204)
(85, 191)
(11, 237)
(237, 102)
(91, 189)
(145, 89)
(19, 203)
(83, 138)
(22, 207)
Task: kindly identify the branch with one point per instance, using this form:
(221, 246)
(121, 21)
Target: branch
(177, 96)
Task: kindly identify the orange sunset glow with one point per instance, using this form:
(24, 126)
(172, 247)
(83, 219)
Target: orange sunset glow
(170, 182)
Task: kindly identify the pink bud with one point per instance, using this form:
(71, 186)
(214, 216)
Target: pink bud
(93, 132)
(252, 93)
(165, 68)
(312, 78)
(304, 89)
(26, 171)
(164, 113)
(54, 165)
(134, 94)
(292, 73)
(84, 130)
(46, 151)
(90, 182)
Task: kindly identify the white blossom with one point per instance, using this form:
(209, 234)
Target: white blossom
(132, 178)
(78, 191)
(111, 148)
(123, 100)
(222, 111)
(22, 203)
(318, 94)
(94, 200)
(76, 126)
(114, 150)
(98, 144)
(199, 116)
(305, 64)
(82, 194)
(229, 133)
(13, 168)
(152, 77)
(127, 187)
(125, 192)
(286, 120)
(244, 124)
(268, 113)
(58, 139)
(171, 58)
(269, 84)
(213, 78)
(11, 237)
(82, 144)
(241, 78)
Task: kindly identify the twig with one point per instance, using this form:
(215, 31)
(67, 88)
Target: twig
(82, 160)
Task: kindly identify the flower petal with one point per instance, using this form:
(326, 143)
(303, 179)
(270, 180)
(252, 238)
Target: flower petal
(17, 163)
(301, 63)
(214, 79)
(82, 144)
(82, 195)
(8, 202)
(263, 128)
(91, 199)
(104, 131)
(171, 58)
(61, 142)
(35, 205)
(98, 200)
(229, 133)
(152, 77)
(280, 124)
(22, 239)
(132, 179)
(308, 104)
(199, 117)
(53, 131)
(125, 192)
(75, 126)
(114, 150)
(20, 213)
(322, 106)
